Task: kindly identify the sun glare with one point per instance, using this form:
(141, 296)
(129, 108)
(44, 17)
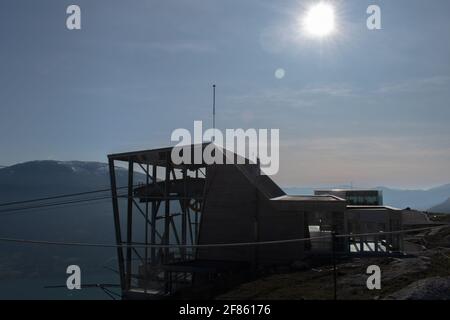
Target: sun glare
(319, 20)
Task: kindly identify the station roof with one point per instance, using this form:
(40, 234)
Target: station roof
(346, 190)
(157, 157)
(308, 198)
(369, 207)
(162, 156)
(309, 203)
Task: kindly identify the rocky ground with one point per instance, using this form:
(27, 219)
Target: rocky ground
(423, 274)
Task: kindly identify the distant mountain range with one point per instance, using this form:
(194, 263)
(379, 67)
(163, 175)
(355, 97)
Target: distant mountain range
(46, 178)
(416, 199)
(81, 222)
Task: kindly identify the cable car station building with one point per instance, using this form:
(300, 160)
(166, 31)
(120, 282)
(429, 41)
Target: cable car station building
(199, 225)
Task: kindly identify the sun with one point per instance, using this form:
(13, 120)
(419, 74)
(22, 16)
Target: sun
(319, 20)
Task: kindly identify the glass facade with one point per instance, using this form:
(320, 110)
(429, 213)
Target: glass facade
(356, 197)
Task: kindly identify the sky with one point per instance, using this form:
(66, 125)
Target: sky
(367, 107)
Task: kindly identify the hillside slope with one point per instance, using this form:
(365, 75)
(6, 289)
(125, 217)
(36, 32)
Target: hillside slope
(441, 208)
(79, 222)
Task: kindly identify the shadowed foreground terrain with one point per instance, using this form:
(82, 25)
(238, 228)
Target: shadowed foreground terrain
(423, 274)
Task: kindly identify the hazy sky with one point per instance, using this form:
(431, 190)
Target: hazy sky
(368, 107)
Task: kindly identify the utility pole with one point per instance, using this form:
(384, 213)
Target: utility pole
(333, 244)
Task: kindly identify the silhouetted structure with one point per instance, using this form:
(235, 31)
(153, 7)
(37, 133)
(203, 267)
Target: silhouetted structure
(182, 205)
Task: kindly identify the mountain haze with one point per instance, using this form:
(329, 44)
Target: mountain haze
(415, 199)
(78, 222)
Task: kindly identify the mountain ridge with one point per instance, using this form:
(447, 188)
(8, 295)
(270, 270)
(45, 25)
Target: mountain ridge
(89, 221)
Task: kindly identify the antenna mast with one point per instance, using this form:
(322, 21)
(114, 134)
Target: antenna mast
(214, 106)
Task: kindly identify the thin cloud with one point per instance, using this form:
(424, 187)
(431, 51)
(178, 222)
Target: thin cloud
(291, 96)
(414, 85)
(182, 47)
(173, 47)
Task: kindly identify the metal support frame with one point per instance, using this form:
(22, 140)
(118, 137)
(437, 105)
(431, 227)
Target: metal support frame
(129, 222)
(141, 267)
(118, 233)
